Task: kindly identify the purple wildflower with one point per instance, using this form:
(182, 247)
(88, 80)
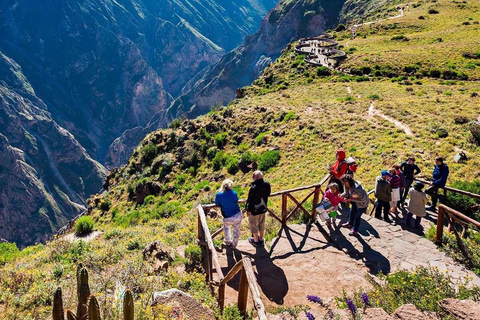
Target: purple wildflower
(309, 315)
(365, 299)
(351, 307)
(315, 299)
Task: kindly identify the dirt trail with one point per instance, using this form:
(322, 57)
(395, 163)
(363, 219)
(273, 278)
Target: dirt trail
(374, 112)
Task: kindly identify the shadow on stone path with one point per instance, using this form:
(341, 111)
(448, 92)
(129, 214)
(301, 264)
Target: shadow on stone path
(309, 260)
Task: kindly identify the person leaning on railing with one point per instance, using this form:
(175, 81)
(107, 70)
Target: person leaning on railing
(439, 180)
(227, 200)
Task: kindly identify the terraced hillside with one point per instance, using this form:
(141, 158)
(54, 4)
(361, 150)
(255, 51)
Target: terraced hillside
(289, 124)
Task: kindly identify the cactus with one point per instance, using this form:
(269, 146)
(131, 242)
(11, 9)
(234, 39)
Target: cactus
(93, 309)
(58, 305)
(87, 307)
(128, 307)
(83, 292)
(70, 315)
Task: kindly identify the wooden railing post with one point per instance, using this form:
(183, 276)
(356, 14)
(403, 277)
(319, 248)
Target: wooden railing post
(284, 209)
(243, 293)
(221, 297)
(316, 199)
(440, 222)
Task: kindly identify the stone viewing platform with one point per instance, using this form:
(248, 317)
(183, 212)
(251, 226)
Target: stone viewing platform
(321, 51)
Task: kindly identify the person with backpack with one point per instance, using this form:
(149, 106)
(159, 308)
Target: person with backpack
(357, 195)
(227, 200)
(256, 208)
(383, 193)
(410, 170)
(342, 166)
(439, 180)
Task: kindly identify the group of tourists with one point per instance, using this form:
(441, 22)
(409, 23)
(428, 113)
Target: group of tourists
(392, 187)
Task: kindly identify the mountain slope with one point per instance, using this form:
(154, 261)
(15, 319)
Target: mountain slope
(289, 20)
(173, 170)
(46, 174)
(98, 70)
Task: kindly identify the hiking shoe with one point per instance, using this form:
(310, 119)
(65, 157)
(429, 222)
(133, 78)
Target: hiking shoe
(347, 225)
(261, 243)
(352, 233)
(253, 242)
(387, 220)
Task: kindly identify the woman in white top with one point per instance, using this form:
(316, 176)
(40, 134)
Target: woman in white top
(416, 206)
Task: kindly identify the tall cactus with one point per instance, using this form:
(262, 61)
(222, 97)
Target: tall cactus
(83, 291)
(93, 309)
(70, 315)
(58, 305)
(87, 307)
(128, 307)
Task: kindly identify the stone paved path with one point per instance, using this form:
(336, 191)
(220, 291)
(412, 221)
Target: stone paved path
(302, 261)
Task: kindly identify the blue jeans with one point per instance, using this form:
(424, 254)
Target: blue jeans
(355, 214)
(405, 191)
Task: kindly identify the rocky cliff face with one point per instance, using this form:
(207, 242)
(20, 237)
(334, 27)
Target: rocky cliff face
(82, 74)
(288, 21)
(45, 174)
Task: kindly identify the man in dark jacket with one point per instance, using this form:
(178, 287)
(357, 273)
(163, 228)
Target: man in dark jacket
(439, 180)
(410, 170)
(383, 193)
(256, 208)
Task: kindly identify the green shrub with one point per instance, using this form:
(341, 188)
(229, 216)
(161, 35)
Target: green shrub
(193, 257)
(148, 200)
(269, 159)
(8, 252)
(374, 97)
(460, 202)
(260, 138)
(290, 116)
(176, 123)
(105, 205)
(169, 209)
(232, 164)
(340, 27)
(84, 225)
(219, 160)
(115, 233)
(221, 140)
(148, 153)
(400, 38)
(323, 71)
(422, 287)
(231, 313)
(133, 245)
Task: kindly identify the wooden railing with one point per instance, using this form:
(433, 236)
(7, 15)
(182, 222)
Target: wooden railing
(210, 256)
(247, 278)
(449, 189)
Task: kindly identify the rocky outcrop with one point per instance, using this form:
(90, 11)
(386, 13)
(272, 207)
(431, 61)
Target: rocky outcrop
(46, 174)
(288, 21)
(461, 309)
(183, 305)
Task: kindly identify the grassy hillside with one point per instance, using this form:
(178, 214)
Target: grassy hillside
(297, 112)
